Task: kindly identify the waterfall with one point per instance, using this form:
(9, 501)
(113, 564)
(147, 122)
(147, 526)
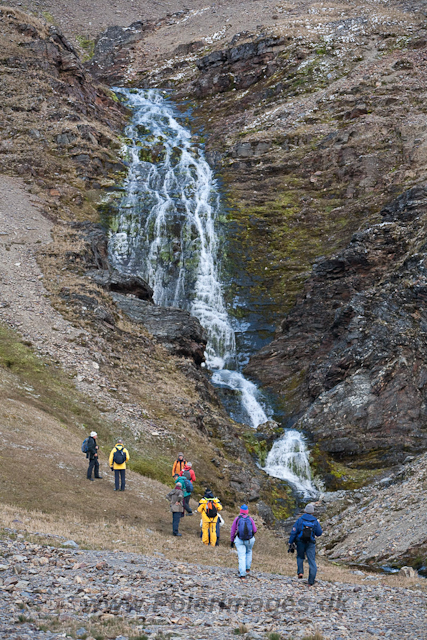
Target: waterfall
(166, 232)
(288, 460)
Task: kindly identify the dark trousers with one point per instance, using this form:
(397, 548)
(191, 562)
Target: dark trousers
(94, 463)
(307, 549)
(120, 473)
(186, 503)
(176, 518)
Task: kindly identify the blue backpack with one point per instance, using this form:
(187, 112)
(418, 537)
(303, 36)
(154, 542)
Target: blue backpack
(84, 445)
(245, 529)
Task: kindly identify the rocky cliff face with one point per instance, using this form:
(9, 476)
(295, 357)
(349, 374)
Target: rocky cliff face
(350, 356)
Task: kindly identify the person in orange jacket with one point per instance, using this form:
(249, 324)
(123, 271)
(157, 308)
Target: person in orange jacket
(188, 472)
(178, 465)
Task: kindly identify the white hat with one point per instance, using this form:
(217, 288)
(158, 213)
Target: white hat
(93, 434)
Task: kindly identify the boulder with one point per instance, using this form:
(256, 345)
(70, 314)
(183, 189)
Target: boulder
(177, 330)
(408, 572)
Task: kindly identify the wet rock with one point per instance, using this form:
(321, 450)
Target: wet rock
(177, 330)
(408, 572)
(114, 280)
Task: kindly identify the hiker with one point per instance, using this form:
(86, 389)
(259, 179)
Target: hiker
(178, 465)
(209, 507)
(188, 472)
(176, 498)
(118, 458)
(242, 535)
(187, 488)
(92, 454)
(304, 534)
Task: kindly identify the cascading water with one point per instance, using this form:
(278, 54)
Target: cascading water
(166, 232)
(288, 460)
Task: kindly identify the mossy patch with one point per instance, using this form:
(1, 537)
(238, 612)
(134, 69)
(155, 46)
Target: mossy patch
(336, 475)
(88, 46)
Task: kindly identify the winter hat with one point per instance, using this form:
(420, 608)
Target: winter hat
(93, 434)
(244, 510)
(208, 494)
(180, 454)
(309, 508)
(178, 484)
(189, 464)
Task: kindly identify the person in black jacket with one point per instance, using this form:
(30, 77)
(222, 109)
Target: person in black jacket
(92, 454)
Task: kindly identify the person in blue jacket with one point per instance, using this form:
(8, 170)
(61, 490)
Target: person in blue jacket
(304, 533)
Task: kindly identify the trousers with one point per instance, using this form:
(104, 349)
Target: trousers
(120, 474)
(176, 518)
(93, 464)
(186, 504)
(244, 551)
(209, 531)
(307, 550)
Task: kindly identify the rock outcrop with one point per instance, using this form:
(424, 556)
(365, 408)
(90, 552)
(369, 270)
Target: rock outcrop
(179, 331)
(114, 280)
(350, 356)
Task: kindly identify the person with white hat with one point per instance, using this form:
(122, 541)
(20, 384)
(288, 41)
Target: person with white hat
(303, 535)
(92, 454)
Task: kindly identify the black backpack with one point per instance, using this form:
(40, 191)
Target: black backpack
(211, 510)
(186, 473)
(307, 531)
(119, 456)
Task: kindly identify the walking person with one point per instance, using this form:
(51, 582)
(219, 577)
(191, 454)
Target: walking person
(209, 507)
(187, 488)
(242, 535)
(92, 455)
(117, 461)
(304, 533)
(176, 499)
(178, 465)
(188, 472)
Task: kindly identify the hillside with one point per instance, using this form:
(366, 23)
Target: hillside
(313, 118)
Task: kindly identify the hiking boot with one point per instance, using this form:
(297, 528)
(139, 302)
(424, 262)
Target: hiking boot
(242, 577)
(91, 479)
(248, 570)
(300, 575)
(178, 535)
(190, 513)
(98, 477)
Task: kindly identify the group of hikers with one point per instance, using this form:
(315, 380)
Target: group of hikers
(242, 536)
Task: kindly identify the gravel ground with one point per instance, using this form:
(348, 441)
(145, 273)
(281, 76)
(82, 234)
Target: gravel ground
(68, 590)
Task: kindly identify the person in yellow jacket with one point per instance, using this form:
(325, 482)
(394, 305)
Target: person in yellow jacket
(209, 507)
(118, 458)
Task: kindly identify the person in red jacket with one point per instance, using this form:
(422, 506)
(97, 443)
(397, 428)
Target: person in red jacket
(178, 465)
(188, 472)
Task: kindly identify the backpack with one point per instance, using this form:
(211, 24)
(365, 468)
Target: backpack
(119, 456)
(186, 474)
(188, 485)
(245, 529)
(84, 445)
(211, 510)
(307, 531)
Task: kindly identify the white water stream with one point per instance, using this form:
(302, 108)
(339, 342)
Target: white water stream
(166, 232)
